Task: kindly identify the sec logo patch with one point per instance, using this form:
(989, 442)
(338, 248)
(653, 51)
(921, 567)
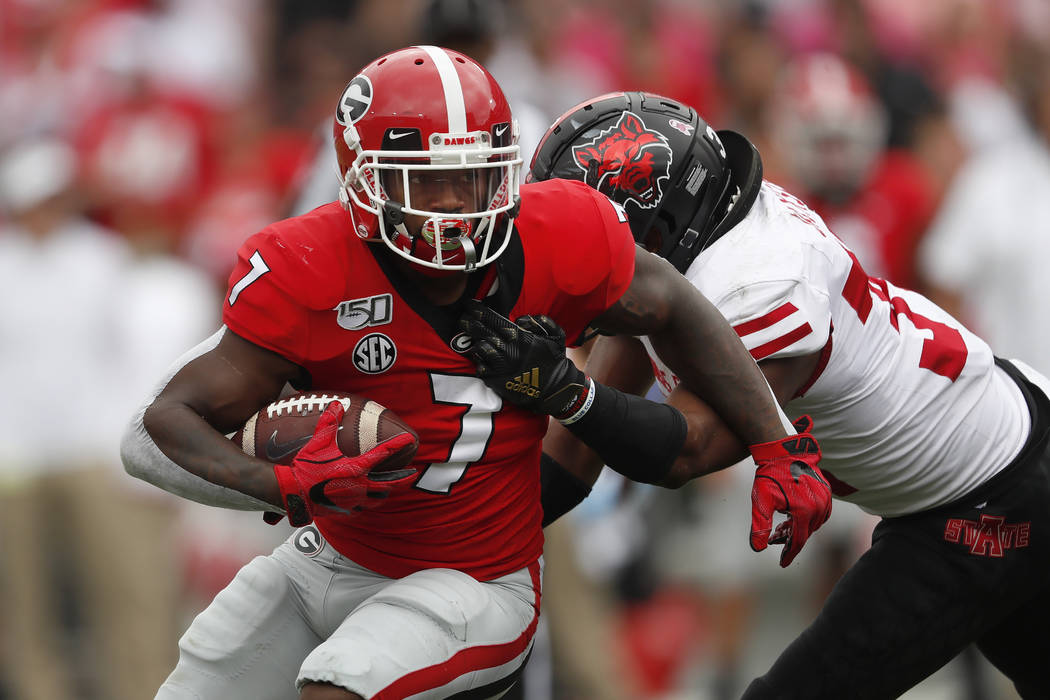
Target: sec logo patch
(374, 353)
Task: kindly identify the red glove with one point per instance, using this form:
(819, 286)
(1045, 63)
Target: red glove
(788, 481)
(323, 481)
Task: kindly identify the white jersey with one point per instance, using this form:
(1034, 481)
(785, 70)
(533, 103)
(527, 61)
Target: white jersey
(909, 408)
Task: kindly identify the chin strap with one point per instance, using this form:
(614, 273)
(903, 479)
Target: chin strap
(470, 253)
(393, 213)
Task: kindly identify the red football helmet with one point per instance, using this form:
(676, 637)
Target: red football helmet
(829, 123)
(425, 140)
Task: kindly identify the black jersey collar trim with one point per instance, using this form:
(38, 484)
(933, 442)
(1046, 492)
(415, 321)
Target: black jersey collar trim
(505, 287)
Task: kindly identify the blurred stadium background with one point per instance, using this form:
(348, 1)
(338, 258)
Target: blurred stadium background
(142, 140)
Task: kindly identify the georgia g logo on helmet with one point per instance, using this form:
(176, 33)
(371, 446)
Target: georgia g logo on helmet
(622, 162)
(355, 100)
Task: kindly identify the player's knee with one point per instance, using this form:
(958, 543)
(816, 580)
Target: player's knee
(326, 691)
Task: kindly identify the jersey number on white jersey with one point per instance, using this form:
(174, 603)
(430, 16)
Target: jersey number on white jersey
(943, 353)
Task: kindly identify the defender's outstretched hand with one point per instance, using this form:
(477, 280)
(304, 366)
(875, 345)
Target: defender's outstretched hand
(788, 481)
(524, 361)
(323, 481)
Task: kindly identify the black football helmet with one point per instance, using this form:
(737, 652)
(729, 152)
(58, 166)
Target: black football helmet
(681, 183)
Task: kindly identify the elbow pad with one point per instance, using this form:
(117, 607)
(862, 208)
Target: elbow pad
(144, 460)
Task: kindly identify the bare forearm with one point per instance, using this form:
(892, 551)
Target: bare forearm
(712, 362)
(188, 441)
(177, 442)
(693, 338)
(710, 445)
(144, 460)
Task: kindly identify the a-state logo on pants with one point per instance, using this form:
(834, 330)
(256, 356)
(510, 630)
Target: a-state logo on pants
(991, 536)
(374, 353)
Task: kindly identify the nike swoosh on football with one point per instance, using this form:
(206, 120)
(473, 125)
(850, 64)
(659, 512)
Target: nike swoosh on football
(393, 136)
(500, 129)
(277, 450)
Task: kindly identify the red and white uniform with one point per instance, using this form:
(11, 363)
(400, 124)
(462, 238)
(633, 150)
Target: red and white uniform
(909, 408)
(310, 290)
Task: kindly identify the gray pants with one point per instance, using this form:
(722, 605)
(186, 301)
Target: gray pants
(306, 613)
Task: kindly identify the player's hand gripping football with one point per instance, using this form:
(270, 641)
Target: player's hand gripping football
(323, 481)
(788, 481)
(524, 361)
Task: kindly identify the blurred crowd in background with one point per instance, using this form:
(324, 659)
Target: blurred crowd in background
(142, 140)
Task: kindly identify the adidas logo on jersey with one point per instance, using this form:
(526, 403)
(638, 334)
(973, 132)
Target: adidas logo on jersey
(527, 383)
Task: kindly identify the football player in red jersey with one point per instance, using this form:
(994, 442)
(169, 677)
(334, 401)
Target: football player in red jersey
(432, 590)
(919, 422)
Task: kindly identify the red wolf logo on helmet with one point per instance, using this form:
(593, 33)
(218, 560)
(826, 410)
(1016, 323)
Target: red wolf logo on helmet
(625, 162)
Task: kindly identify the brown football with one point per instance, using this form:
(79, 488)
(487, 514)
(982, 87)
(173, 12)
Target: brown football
(278, 431)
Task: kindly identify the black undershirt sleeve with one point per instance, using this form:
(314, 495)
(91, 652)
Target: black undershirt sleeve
(636, 437)
(560, 491)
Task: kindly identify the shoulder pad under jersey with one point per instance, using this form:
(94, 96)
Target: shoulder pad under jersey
(769, 279)
(307, 258)
(583, 234)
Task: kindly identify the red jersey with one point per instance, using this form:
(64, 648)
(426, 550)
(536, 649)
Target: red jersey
(310, 290)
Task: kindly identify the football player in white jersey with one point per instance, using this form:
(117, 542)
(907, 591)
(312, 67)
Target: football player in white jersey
(919, 422)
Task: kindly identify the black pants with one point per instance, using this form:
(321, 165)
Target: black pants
(977, 570)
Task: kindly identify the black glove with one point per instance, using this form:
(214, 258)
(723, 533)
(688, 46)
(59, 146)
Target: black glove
(525, 362)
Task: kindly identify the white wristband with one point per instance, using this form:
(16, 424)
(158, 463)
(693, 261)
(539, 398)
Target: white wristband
(584, 408)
